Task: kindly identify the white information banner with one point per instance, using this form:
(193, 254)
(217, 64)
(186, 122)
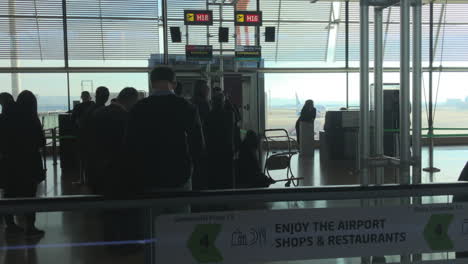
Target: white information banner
(277, 235)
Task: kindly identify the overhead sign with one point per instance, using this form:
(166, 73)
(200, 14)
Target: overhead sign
(252, 53)
(199, 52)
(248, 18)
(282, 235)
(198, 17)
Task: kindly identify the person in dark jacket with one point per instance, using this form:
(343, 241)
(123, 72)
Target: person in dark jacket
(111, 179)
(22, 137)
(201, 99)
(7, 103)
(80, 109)
(86, 137)
(308, 114)
(220, 145)
(164, 137)
(110, 126)
(229, 106)
(250, 171)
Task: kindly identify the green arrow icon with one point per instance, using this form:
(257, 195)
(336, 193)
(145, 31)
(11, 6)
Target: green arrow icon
(436, 232)
(202, 243)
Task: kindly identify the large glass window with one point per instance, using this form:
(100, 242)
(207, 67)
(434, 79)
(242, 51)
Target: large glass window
(451, 102)
(114, 81)
(49, 88)
(31, 34)
(287, 93)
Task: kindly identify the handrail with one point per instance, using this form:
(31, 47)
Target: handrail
(165, 199)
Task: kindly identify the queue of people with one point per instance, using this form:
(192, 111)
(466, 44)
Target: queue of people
(165, 142)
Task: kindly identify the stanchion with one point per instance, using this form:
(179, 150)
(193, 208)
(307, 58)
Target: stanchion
(54, 145)
(431, 167)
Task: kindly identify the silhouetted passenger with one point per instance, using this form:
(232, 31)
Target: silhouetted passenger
(86, 138)
(201, 99)
(164, 136)
(22, 137)
(6, 100)
(110, 179)
(220, 145)
(110, 126)
(80, 109)
(308, 114)
(7, 103)
(229, 106)
(102, 96)
(250, 171)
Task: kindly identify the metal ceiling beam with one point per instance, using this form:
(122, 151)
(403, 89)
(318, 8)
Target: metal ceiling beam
(8, 70)
(423, 2)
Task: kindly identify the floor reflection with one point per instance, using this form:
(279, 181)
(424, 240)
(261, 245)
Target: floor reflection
(63, 228)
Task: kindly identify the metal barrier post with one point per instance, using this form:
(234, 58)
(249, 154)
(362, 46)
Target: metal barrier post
(431, 167)
(417, 77)
(364, 99)
(378, 93)
(364, 145)
(54, 145)
(405, 91)
(149, 234)
(405, 153)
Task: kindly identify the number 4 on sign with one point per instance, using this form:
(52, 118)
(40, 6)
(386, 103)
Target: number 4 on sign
(202, 243)
(205, 241)
(436, 232)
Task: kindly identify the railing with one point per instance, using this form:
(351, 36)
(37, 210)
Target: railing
(437, 135)
(164, 199)
(49, 120)
(153, 239)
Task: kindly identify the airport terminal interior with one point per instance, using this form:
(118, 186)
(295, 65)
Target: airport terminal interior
(233, 131)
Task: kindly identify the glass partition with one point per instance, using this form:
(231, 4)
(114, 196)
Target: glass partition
(281, 232)
(286, 94)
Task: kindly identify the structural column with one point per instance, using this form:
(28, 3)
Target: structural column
(405, 92)
(378, 91)
(165, 32)
(364, 94)
(15, 82)
(221, 56)
(417, 77)
(405, 155)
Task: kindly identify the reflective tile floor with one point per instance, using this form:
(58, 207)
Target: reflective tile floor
(75, 237)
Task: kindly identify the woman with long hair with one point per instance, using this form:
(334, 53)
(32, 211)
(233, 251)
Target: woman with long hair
(220, 145)
(308, 114)
(24, 169)
(6, 101)
(250, 174)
